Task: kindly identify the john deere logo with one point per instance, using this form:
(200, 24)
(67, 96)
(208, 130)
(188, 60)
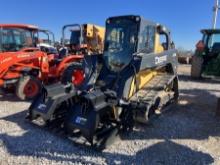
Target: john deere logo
(159, 60)
(41, 107)
(81, 120)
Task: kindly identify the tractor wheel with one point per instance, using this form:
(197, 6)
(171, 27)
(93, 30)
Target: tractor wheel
(28, 88)
(196, 69)
(73, 74)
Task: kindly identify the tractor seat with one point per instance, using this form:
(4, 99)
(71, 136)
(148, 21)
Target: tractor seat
(63, 52)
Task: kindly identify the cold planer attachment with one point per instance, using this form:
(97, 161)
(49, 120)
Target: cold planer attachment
(62, 94)
(52, 96)
(137, 80)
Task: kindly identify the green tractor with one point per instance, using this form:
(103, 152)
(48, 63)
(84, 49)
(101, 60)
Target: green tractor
(206, 61)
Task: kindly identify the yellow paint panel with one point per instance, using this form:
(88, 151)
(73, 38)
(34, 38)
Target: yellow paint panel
(89, 30)
(142, 78)
(93, 30)
(94, 38)
(158, 47)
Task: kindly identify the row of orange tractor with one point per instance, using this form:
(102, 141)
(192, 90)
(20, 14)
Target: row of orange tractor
(29, 57)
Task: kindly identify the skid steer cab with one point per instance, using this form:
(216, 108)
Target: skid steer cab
(137, 80)
(206, 60)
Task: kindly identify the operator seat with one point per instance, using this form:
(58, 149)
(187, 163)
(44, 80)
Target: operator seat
(63, 52)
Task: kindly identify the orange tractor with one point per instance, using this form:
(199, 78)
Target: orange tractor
(24, 67)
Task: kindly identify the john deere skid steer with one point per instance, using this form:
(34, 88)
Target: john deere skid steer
(137, 80)
(206, 61)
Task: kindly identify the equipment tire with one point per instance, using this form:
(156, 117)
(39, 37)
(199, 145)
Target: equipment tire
(72, 71)
(28, 88)
(196, 69)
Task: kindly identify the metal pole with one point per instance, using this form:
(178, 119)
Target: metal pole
(215, 9)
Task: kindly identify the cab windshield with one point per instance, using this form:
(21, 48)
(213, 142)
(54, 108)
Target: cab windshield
(120, 44)
(213, 39)
(14, 39)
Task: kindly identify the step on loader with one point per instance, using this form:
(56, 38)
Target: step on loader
(137, 80)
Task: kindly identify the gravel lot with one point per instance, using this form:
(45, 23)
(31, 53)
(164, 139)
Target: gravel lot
(187, 134)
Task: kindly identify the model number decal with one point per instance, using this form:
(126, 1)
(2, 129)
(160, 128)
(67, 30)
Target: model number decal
(41, 107)
(80, 120)
(159, 60)
(25, 55)
(6, 60)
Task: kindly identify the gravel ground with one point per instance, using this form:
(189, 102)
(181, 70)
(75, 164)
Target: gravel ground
(187, 134)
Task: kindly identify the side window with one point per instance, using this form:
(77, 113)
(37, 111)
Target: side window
(205, 38)
(28, 38)
(147, 39)
(35, 38)
(163, 41)
(7, 36)
(213, 39)
(151, 38)
(43, 37)
(19, 37)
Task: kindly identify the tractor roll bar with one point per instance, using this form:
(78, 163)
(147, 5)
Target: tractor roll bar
(71, 25)
(48, 33)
